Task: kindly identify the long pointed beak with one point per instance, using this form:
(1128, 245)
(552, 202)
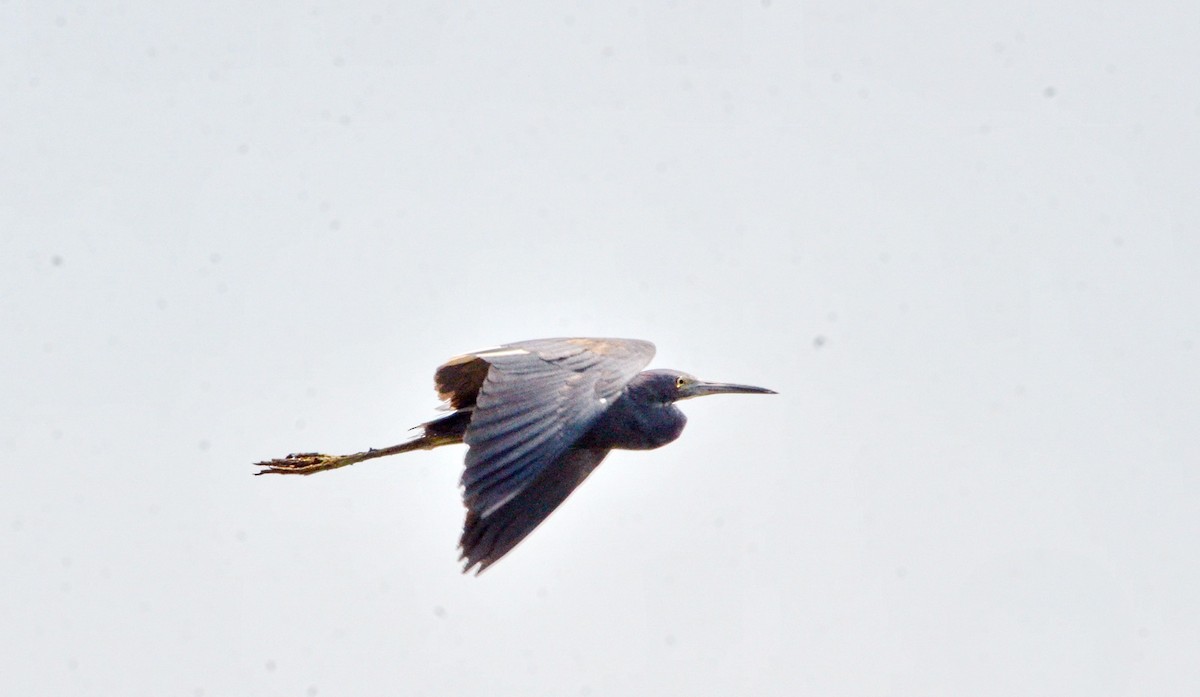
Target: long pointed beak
(701, 388)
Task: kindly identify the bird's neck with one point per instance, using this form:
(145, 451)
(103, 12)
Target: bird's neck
(632, 423)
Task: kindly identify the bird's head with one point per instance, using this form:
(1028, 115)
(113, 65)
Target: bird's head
(672, 386)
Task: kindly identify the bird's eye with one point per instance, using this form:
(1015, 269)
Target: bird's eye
(680, 382)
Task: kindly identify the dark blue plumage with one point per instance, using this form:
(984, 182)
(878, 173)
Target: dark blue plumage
(538, 417)
(644, 417)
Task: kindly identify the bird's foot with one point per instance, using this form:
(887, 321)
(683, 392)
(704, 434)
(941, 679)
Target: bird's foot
(302, 463)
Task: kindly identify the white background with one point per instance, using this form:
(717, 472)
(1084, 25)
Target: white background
(961, 239)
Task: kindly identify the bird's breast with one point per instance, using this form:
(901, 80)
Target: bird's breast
(629, 425)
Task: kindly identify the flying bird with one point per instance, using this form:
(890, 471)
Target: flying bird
(537, 418)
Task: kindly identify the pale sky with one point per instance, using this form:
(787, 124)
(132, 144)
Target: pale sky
(962, 240)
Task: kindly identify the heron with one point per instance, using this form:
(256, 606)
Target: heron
(537, 418)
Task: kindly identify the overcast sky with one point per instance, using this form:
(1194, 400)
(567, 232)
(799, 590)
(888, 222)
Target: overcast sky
(962, 240)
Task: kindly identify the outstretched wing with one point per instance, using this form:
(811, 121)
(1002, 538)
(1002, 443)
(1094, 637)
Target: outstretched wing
(537, 399)
(484, 540)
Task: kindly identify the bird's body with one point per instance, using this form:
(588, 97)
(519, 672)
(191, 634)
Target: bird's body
(538, 417)
(641, 418)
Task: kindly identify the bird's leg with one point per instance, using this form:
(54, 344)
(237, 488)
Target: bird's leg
(308, 463)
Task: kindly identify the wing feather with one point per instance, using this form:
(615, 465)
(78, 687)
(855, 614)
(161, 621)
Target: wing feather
(487, 539)
(536, 400)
